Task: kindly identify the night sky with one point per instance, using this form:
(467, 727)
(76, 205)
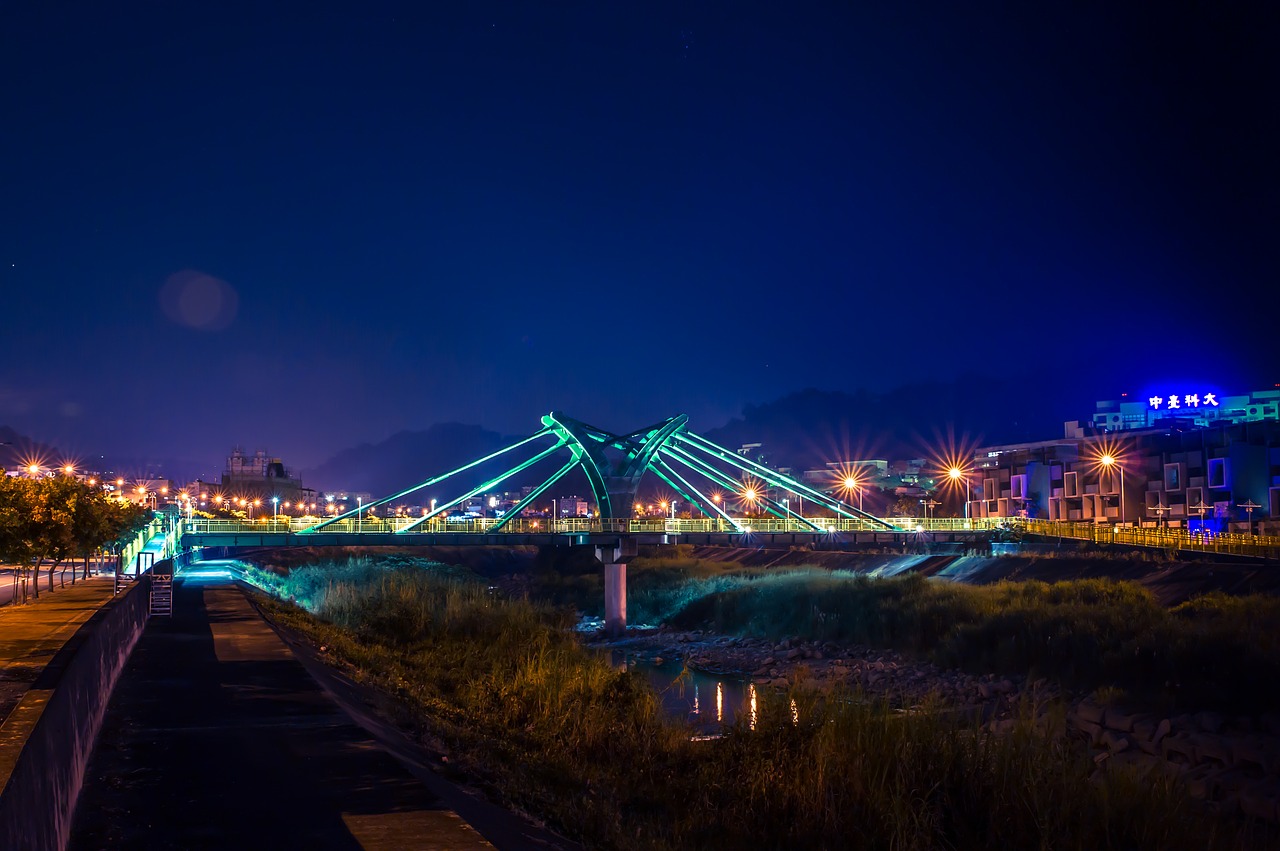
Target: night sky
(304, 228)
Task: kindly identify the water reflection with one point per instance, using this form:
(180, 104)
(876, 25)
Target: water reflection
(680, 691)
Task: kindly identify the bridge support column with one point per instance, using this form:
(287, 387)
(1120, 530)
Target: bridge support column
(615, 600)
(615, 560)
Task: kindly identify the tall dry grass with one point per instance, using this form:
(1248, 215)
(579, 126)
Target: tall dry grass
(1215, 651)
(550, 728)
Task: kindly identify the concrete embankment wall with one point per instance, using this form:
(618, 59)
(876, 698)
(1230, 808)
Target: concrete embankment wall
(49, 736)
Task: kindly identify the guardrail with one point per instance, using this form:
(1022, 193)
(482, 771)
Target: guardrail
(129, 551)
(1166, 538)
(1262, 546)
(572, 525)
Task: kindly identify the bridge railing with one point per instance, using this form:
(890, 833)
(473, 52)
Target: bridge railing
(130, 549)
(572, 525)
(1232, 543)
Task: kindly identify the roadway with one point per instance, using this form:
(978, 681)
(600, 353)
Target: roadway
(11, 587)
(220, 735)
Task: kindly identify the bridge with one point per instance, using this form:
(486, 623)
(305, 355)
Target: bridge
(577, 531)
(708, 477)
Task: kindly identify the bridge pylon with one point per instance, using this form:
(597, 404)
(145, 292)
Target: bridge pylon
(706, 476)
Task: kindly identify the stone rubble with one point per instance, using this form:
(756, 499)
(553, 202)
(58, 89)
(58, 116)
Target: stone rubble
(1231, 763)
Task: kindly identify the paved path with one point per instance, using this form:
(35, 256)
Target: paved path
(30, 635)
(218, 737)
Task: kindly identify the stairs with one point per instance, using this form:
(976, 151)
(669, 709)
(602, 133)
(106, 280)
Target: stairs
(162, 594)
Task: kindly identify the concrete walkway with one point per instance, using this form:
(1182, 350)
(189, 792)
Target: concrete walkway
(30, 635)
(217, 737)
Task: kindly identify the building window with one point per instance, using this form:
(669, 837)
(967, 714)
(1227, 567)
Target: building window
(1173, 477)
(1219, 473)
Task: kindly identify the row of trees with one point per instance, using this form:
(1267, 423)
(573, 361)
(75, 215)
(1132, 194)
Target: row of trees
(59, 519)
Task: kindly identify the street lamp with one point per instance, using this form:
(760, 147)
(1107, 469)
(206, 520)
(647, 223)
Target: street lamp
(275, 509)
(359, 514)
(1249, 507)
(256, 503)
(956, 474)
(929, 504)
(1159, 508)
(1201, 508)
(1108, 461)
(851, 484)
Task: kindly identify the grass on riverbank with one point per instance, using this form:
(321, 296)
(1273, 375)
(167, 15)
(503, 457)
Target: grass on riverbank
(557, 732)
(1214, 651)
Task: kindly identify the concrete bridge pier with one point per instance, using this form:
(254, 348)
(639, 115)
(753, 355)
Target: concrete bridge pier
(615, 560)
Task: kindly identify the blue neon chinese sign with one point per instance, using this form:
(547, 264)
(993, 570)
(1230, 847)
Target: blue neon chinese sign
(1185, 400)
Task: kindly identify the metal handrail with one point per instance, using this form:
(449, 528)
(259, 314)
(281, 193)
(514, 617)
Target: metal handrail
(574, 525)
(1235, 543)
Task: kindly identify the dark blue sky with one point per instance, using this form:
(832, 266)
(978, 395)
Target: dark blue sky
(302, 228)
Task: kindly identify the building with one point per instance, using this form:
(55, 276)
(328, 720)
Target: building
(1226, 476)
(1183, 407)
(572, 506)
(259, 476)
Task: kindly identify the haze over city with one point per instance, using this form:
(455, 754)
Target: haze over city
(306, 228)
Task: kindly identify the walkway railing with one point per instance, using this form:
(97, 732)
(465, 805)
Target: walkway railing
(129, 551)
(1177, 539)
(571, 525)
(1172, 538)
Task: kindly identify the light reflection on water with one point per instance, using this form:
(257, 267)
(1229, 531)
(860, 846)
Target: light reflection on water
(682, 691)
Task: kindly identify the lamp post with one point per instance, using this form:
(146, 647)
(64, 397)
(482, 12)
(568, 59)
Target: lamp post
(1108, 461)
(275, 509)
(1201, 508)
(955, 474)
(359, 514)
(852, 484)
(1249, 507)
(1159, 508)
(928, 504)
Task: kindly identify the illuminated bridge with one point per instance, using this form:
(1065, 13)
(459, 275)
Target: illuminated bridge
(706, 476)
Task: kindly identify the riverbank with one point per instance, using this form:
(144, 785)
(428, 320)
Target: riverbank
(545, 724)
(1231, 762)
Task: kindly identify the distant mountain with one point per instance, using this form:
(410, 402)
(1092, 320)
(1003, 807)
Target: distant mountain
(812, 427)
(407, 458)
(803, 430)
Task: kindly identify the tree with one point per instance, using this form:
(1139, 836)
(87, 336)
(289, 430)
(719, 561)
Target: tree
(59, 518)
(53, 509)
(16, 523)
(906, 506)
(121, 521)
